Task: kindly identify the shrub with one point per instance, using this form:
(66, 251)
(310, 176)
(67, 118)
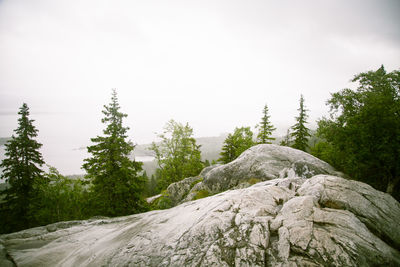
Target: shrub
(163, 202)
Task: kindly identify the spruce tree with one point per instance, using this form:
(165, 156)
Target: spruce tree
(117, 185)
(300, 132)
(266, 128)
(236, 143)
(228, 151)
(21, 169)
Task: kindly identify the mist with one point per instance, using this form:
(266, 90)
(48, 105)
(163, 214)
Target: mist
(211, 64)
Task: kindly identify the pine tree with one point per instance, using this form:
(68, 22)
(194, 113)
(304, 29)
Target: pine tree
(266, 128)
(228, 151)
(21, 169)
(117, 185)
(236, 143)
(300, 132)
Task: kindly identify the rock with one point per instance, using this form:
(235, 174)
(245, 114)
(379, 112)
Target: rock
(153, 198)
(206, 170)
(261, 163)
(5, 260)
(178, 191)
(323, 220)
(358, 198)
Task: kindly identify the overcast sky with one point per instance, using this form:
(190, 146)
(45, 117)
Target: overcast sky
(213, 64)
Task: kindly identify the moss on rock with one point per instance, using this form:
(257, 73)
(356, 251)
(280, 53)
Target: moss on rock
(201, 194)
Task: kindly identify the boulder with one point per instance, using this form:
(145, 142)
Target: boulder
(323, 220)
(266, 162)
(259, 163)
(178, 191)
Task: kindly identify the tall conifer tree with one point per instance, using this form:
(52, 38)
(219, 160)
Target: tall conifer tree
(116, 179)
(300, 132)
(235, 144)
(266, 128)
(21, 169)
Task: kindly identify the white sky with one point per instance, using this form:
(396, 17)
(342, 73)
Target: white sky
(213, 64)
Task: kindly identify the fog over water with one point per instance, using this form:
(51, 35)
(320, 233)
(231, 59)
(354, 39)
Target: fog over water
(66, 150)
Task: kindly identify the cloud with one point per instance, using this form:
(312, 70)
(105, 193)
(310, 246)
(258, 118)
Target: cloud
(207, 62)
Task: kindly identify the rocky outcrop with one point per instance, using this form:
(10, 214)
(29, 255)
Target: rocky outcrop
(179, 190)
(300, 214)
(259, 163)
(266, 162)
(323, 220)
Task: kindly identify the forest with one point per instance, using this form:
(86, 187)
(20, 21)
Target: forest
(359, 137)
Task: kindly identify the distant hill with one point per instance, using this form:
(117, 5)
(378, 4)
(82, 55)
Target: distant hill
(211, 146)
(143, 151)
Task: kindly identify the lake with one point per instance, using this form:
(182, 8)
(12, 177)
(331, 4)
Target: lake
(67, 158)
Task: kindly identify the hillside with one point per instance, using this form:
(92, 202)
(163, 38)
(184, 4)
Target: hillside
(300, 215)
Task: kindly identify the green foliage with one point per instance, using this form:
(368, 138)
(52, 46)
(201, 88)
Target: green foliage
(163, 202)
(152, 186)
(363, 131)
(117, 185)
(207, 163)
(196, 182)
(201, 194)
(300, 132)
(324, 151)
(21, 169)
(236, 143)
(253, 180)
(286, 141)
(59, 199)
(266, 128)
(177, 154)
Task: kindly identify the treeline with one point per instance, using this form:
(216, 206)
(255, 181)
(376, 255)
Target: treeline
(361, 137)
